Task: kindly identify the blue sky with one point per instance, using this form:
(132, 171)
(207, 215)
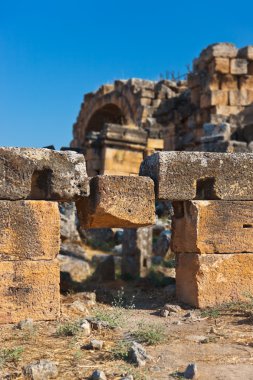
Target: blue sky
(52, 52)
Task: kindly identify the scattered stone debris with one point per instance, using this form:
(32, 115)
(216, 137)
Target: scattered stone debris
(96, 344)
(98, 375)
(128, 377)
(164, 313)
(169, 309)
(41, 370)
(137, 354)
(26, 324)
(89, 298)
(79, 306)
(191, 371)
(96, 324)
(197, 338)
(86, 327)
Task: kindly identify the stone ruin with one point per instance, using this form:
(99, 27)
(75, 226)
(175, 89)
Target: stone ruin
(211, 230)
(122, 123)
(121, 128)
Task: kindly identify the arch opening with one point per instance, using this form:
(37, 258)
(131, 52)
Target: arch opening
(110, 113)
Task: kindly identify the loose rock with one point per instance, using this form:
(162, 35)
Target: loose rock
(86, 328)
(191, 371)
(79, 306)
(96, 344)
(98, 375)
(41, 370)
(26, 324)
(172, 308)
(137, 354)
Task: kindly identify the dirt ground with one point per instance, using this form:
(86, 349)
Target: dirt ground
(219, 342)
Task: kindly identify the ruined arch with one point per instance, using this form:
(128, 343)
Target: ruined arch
(109, 113)
(108, 105)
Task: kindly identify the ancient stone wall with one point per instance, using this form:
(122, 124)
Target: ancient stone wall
(211, 111)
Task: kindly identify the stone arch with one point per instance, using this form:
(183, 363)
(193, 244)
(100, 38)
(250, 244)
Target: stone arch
(107, 105)
(110, 113)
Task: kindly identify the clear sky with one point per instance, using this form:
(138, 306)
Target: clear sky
(54, 51)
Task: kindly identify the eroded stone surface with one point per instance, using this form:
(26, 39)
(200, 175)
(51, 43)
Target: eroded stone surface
(209, 280)
(118, 201)
(45, 174)
(212, 227)
(29, 289)
(199, 175)
(29, 230)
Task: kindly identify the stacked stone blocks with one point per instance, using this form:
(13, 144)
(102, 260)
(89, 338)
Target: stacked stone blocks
(32, 182)
(212, 229)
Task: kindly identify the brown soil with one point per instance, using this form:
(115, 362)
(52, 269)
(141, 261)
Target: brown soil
(220, 345)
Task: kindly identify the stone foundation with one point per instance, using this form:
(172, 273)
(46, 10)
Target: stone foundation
(209, 280)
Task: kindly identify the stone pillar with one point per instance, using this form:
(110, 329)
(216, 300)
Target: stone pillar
(137, 252)
(213, 243)
(212, 226)
(33, 181)
(29, 270)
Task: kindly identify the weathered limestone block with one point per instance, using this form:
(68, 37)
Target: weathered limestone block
(241, 97)
(199, 175)
(121, 161)
(212, 83)
(29, 230)
(224, 50)
(213, 98)
(238, 66)
(29, 289)
(246, 82)
(45, 174)
(219, 65)
(137, 252)
(246, 52)
(226, 110)
(229, 82)
(209, 280)
(118, 201)
(212, 227)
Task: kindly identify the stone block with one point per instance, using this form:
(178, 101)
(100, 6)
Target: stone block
(212, 83)
(121, 161)
(213, 98)
(29, 230)
(42, 174)
(246, 82)
(229, 82)
(29, 289)
(200, 176)
(226, 110)
(240, 97)
(222, 50)
(118, 201)
(238, 66)
(219, 65)
(246, 52)
(209, 280)
(212, 227)
(136, 252)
